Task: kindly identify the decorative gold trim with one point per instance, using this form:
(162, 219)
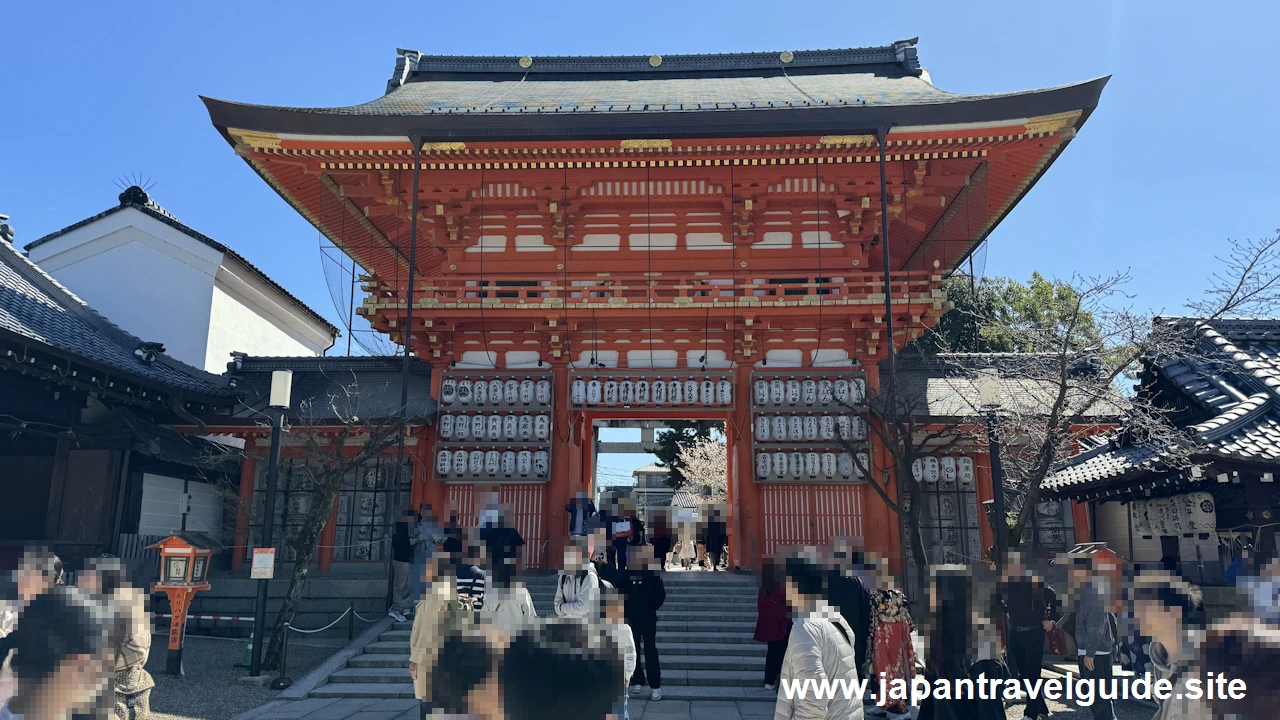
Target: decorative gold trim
(645, 144)
(1052, 123)
(655, 61)
(526, 62)
(787, 56)
(444, 147)
(255, 139)
(847, 140)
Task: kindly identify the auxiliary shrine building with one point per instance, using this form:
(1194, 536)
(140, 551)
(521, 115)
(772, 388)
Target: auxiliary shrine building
(573, 239)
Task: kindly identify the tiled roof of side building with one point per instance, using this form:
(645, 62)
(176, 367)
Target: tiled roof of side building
(34, 307)
(138, 199)
(367, 387)
(1230, 374)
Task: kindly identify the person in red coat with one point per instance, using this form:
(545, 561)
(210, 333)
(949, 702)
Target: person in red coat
(772, 623)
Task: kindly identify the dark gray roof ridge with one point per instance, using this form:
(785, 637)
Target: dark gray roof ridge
(146, 205)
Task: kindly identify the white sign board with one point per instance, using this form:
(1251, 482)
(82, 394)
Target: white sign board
(264, 564)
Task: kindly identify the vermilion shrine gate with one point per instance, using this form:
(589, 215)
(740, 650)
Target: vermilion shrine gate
(656, 237)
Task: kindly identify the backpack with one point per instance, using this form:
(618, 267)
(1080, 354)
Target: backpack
(457, 617)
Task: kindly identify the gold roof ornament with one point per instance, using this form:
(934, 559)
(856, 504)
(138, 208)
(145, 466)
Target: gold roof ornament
(787, 56)
(655, 61)
(526, 62)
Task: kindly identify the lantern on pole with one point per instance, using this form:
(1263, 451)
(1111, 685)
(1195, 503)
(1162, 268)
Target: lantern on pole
(184, 571)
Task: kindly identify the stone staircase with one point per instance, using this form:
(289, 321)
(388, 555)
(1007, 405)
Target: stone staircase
(704, 641)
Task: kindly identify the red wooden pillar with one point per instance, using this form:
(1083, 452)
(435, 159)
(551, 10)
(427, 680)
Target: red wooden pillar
(241, 540)
(744, 521)
(1080, 518)
(983, 488)
(424, 489)
(564, 481)
(327, 536)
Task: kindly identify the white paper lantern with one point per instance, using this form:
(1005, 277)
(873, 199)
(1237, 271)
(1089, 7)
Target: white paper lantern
(964, 470)
(480, 393)
(459, 462)
(828, 463)
(524, 462)
(795, 464)
(495, 392)
(858, 391)
(578, 391)
(811, 464)
(779, 428)
(477, 426)
(857, 428)
(842, 391)
(724, 392)
(762, 428)
(1156, 516)
(931, 469)
(494, 427)
(509, 427)
(825, 394)
(793, 392)
(526, 427)
(780, 464)
(610, 392)
(595, 392)
(449, 391)
(844, 427)
(1171, 513)
(444, 460)
(446, 426)
(461, 427)
(948, 469)
(509, 462)
(690, 392)
(464, 392)
(541, 427)
(827, 428)
(642, 392)
(809, 392)
(541, 463)
(864, 461)
(475, 462)
(658, 393)
(917, 470)
(675, 392)
(1200, 514)
(810, 428)
(777, 391)
(542, 393)
(795, 428)
(626, 392)
(511, 391)
(708, 393)
(762, 465)
(844, 464)
(492, 462)
(1138, 515)
(762, 392)
(526, 392)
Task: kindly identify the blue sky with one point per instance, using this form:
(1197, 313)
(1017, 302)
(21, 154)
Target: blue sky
(1179, 156)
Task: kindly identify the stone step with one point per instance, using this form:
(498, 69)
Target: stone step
(734, 649)
(380, 660)
(363, 690)
(712, 662)
(381, 647)
(705, 692)
(665, 636)
(371, 675)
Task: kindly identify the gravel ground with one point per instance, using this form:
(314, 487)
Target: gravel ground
(210, 689)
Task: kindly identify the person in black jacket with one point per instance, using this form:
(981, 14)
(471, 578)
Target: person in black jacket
(846, 593)
(645, 594)
(1030, 607)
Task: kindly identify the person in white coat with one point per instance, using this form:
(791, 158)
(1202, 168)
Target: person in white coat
(508, 607)
(614, 606)
(577, 586)
(820, 647)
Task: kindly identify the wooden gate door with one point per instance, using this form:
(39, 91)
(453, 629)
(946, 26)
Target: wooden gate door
(809, 514)
(525, 503)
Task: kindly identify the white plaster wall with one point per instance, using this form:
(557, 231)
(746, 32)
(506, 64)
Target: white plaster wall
(248, 316)
(142, 275)
(163, 505)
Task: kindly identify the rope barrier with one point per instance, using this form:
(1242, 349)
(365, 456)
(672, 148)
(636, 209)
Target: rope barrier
(207, 617)
(326, 627)
(358, 615)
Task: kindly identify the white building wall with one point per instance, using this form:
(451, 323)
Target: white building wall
(247, 316)
(1111, 525)
(151, 285)
(163, 505)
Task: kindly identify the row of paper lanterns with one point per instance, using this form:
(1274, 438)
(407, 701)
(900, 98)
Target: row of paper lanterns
(811, 392)
(495, 392)
(809, 428)
(811, 464)
(1178, 515)
(479, 463)
(495, 427)
(946, 469)
(690, 391)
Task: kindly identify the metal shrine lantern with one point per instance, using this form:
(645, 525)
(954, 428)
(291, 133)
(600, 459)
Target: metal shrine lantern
(184, 571)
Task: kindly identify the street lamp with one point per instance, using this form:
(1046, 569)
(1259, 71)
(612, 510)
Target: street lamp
(989, 404)
(278, 403)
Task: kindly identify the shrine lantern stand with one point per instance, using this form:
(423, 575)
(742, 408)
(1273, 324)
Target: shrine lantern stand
(184, 570)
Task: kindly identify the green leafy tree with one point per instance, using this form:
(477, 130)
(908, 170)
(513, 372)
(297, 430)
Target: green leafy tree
(682, 435)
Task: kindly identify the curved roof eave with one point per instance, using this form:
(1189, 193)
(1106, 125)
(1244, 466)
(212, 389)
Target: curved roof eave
(757, 122)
